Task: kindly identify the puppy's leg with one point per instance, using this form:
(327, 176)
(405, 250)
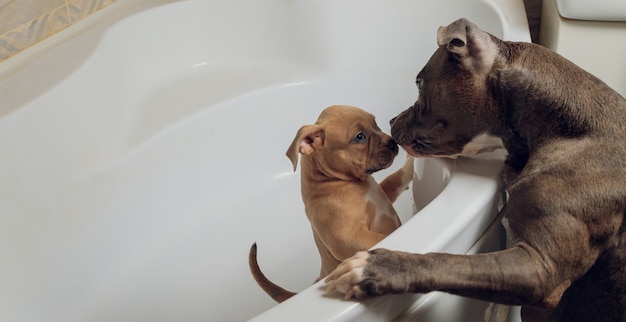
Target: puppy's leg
(398, 182)
(344, 245)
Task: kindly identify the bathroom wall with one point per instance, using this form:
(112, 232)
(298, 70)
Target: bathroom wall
(26, 22)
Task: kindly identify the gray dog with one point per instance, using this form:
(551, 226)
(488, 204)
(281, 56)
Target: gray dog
(565, 131)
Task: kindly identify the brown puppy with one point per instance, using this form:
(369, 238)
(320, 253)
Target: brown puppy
(565, 131)
(348, 210)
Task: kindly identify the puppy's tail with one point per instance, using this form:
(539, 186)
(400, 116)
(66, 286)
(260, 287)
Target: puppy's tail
(278, 293)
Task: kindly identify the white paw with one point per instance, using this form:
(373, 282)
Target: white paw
(346, 277)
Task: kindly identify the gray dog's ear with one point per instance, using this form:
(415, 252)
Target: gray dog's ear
(308, 139)
(472, 47)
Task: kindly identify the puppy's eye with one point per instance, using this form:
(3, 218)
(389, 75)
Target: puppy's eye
(360, 138)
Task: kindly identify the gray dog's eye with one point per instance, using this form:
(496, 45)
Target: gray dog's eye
(360, 138)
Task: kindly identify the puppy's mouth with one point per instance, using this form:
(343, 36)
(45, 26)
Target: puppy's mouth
(388, 161)
(376, 169)
(372, 170)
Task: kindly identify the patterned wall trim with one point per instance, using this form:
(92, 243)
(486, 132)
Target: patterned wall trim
(24, 23)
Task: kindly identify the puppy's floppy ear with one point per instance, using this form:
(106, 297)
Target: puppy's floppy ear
(308, 139)
(469, 45)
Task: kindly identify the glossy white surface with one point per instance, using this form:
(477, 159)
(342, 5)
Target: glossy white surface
(602, 10)
(143, 153)
(598, 47)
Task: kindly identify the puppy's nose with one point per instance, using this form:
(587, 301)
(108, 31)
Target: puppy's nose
(392, 145)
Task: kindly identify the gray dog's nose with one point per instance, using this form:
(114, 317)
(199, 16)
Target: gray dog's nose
(392, 120)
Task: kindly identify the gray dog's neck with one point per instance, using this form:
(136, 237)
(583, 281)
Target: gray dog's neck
(534, 88)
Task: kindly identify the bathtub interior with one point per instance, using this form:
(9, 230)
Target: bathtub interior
(142, 158)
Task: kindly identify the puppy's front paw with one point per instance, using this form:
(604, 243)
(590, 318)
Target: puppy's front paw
(407, 171)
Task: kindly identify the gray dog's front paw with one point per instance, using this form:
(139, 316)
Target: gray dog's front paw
(386, 272)
(373, 273)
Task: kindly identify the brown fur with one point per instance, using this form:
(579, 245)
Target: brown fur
(565, 131)
(347, 209)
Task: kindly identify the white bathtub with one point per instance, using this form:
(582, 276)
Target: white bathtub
(142, 153)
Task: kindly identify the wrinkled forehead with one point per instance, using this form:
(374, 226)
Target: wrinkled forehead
(347, 129)
(348, 122)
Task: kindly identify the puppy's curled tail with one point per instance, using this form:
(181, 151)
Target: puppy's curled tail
(278, 293)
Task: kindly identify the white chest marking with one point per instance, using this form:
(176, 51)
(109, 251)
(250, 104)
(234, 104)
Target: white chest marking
(384, 210)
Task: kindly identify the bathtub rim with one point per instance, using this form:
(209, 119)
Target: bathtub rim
(478, 179)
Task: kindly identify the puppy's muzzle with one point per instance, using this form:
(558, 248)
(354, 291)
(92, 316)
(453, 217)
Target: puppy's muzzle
(392, 145)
